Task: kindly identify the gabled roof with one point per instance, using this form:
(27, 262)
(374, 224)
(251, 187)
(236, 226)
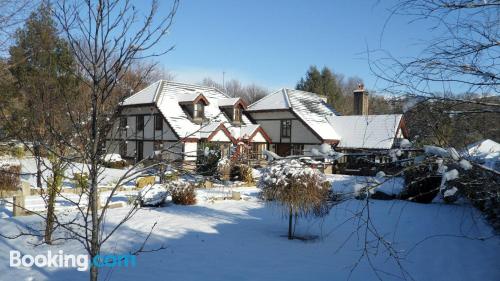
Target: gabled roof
(309, 107)
(366, 131)
(167, 96)
(144, 96)
(273, 101)
(229, 102)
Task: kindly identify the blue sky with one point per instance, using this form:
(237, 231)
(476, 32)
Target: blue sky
(272, 43)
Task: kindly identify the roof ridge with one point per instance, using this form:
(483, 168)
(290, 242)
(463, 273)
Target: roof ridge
(287, 99)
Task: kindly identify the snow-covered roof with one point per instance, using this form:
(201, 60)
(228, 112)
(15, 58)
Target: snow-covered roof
(309, 107)
(167, 95)
(358, 131)
(228, 101)
(366, 131)
(144, 96)
(273, 101)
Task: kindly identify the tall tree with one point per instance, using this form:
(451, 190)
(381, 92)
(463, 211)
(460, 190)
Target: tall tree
(321, 82)
(43, 68)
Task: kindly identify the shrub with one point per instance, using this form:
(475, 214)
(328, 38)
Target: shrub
(81, 180)
(241, 172)
(183, 193)
(301, 191)
(18, 151)
(143, 181)
(207, 160)
(116, 164)
(9, 177)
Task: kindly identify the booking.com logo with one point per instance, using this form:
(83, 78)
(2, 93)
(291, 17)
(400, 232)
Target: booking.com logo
(80, 262)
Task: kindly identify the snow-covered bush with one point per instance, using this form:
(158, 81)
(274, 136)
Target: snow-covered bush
(299, 190)
(183, 193)
(153, 195)
(208, 159)
(242, 172)
(114, 161)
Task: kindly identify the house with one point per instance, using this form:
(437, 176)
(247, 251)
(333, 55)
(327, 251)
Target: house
(298, 122)
(181, 119)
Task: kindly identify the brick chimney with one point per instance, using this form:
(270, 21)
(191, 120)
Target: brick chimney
(360, 101)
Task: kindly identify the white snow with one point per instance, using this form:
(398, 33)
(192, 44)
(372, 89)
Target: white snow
(113, 157)
(405, 143)
(436, 150)
(243, 240)
(450, 192)
(466, 165)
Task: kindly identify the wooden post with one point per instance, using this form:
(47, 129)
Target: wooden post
(18, 206)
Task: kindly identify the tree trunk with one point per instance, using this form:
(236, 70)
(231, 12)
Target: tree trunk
(290, 224)
(38, 166)
(94, 194)
(51, 200)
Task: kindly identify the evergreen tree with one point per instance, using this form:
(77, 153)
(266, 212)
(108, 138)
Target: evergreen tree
(323, 83)
(43, 70)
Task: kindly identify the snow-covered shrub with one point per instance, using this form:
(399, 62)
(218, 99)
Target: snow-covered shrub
(242, 172)
(208, 159)
(114, 161)
(183, 193)
(224, 168)
(299, 190)
(153, 195)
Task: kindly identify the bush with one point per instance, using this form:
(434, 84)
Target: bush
(116, 164)
(301, 191)
(18, 151)
(183, 193)
(9, 178)
(81, 180)
(207, 160)
(242, 173)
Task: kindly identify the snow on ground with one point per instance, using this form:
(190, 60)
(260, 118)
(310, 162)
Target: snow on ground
(243, 240)
(346, 184)
(28, 169)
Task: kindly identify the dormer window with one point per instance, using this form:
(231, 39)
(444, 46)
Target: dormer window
(199, 111)
(232, 108)
(237, 114)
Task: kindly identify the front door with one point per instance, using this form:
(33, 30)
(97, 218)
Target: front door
(140, 150)
(283, 149)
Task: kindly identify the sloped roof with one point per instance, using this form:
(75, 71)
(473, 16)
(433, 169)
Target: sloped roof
(228, 101)
(309, 107)
(168, 94)
(273, 101)
(144, 96)
(366, 131)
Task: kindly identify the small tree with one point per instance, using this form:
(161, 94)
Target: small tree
(299, 190)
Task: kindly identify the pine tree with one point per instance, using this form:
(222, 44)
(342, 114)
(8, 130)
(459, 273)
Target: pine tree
(323, 83)
(43, 69)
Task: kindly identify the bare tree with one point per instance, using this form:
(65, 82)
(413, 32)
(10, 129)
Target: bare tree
(106, 38)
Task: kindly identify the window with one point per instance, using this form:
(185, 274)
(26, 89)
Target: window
(140, 123)
(237, 114)
(286, 128)
(297, 149)
(198, 111)
(257, 149)
(158, 122)
(123, 122)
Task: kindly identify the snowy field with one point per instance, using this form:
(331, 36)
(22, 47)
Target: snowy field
(243, 240)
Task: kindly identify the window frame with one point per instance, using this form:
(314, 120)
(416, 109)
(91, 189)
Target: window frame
(198, 110)
(158, 122)
(139, 126)
(286, 128)
(237, 114)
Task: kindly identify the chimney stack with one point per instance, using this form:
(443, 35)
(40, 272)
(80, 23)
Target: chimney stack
(360, 101)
